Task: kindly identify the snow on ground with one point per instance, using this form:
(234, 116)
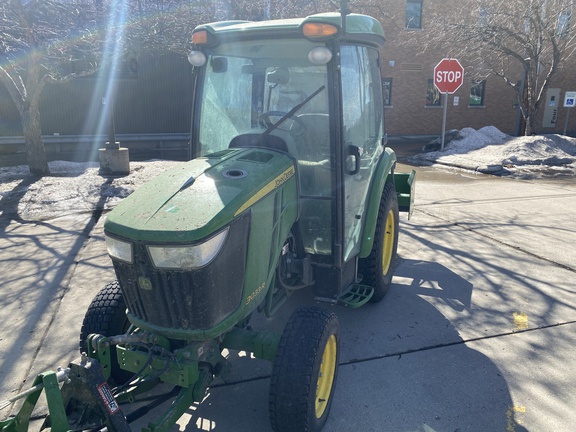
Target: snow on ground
(488, 150)
(71, 188)
(79, 188)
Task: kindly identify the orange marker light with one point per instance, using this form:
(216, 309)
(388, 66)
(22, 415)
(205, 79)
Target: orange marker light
(200, 37)
(319, 30)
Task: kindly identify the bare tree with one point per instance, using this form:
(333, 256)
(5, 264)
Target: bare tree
(165, 25)
(524, 42)
(258, 10)
(41, 42)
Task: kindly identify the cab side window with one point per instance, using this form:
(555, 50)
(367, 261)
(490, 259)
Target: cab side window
(362, 107)
(362, 98)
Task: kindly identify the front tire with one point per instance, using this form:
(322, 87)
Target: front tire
(304, 371)
(106, 315)
(378, 268)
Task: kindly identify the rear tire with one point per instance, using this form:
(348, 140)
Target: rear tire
(378, 268)
(304, 371)
(106, 315)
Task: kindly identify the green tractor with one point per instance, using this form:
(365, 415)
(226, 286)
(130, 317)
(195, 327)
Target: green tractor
(290, 187)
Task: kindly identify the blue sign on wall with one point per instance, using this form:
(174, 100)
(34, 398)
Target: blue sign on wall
(569, 99)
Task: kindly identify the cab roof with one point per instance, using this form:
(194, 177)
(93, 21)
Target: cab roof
(358, 27)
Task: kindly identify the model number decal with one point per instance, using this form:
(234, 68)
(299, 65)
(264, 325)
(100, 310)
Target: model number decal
(255, 293)
(282, 178)
(274, 184)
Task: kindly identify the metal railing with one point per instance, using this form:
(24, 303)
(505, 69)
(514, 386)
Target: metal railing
(158, 145)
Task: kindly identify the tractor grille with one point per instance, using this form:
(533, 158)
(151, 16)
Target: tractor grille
(191, 299)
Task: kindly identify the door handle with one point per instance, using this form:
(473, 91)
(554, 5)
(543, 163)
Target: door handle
(353, 152)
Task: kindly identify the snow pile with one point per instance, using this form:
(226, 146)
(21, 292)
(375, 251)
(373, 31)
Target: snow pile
(71, 188)
(467, 140)
(551, 150)
(495, 134)
(470, 139)
(489, 150)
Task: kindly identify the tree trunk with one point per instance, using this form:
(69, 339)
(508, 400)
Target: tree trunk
(529, 127)
(34, 145)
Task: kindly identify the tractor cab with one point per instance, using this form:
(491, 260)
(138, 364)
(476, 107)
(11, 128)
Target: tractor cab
(310, 89)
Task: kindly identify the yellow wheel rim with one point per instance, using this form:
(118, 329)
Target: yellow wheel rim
(388, 242)
(326, 376)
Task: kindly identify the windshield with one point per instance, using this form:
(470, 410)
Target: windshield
(248, 86)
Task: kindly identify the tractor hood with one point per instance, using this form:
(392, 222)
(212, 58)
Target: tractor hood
(196, 199)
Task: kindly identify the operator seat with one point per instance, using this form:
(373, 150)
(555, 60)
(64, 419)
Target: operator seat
(318, 140)
(277, 140)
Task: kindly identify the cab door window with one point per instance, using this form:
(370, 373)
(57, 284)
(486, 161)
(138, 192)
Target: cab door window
(362, 109)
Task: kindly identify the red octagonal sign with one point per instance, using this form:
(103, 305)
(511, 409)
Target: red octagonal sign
(448, 75)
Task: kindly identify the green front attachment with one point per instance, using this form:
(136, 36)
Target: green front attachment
(187, 367)
(190, 368)
(84, 402)
(49, 382)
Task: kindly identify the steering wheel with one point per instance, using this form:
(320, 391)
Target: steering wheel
(297, 129)
(265, 122)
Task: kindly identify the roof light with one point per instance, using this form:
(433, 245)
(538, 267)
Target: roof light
(319, 30)
(320, 55)
(197, 58)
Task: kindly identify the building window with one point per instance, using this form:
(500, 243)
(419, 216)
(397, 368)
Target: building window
(387, 91)
(433, 96)
(477, 93)
(484, 18)
(414, 14)
(564, 23)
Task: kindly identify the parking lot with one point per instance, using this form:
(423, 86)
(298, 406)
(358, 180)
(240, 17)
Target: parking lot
(476, 334)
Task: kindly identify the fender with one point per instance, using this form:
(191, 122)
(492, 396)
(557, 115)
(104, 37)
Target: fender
(383, 174)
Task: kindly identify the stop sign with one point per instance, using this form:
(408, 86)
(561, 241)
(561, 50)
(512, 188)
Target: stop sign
(448, 75)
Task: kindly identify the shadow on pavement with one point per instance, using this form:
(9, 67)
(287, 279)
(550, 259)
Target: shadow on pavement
(9, 203)
(38, 259)
(403, 367)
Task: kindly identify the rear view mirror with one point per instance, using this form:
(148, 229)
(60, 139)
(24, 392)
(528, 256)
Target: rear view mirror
(219, 64)
(278, 76)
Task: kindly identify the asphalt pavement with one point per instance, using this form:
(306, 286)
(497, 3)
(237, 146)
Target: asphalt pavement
(477, 333)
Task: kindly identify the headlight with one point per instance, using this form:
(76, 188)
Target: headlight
(119, 249)
(187, 257)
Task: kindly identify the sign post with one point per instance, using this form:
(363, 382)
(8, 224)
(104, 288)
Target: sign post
(569, 102)
(448, 77)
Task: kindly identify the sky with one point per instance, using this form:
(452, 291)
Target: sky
(78, 188)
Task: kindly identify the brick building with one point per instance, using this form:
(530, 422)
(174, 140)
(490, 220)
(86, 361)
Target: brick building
(414, 105)
(157, 99)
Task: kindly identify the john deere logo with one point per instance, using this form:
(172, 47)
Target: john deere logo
(144, 283)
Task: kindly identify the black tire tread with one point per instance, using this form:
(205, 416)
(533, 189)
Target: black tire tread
(369, 266)
(293, 381)
(105, 315)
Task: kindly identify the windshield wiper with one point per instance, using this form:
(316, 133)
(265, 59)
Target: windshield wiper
(290, 113)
